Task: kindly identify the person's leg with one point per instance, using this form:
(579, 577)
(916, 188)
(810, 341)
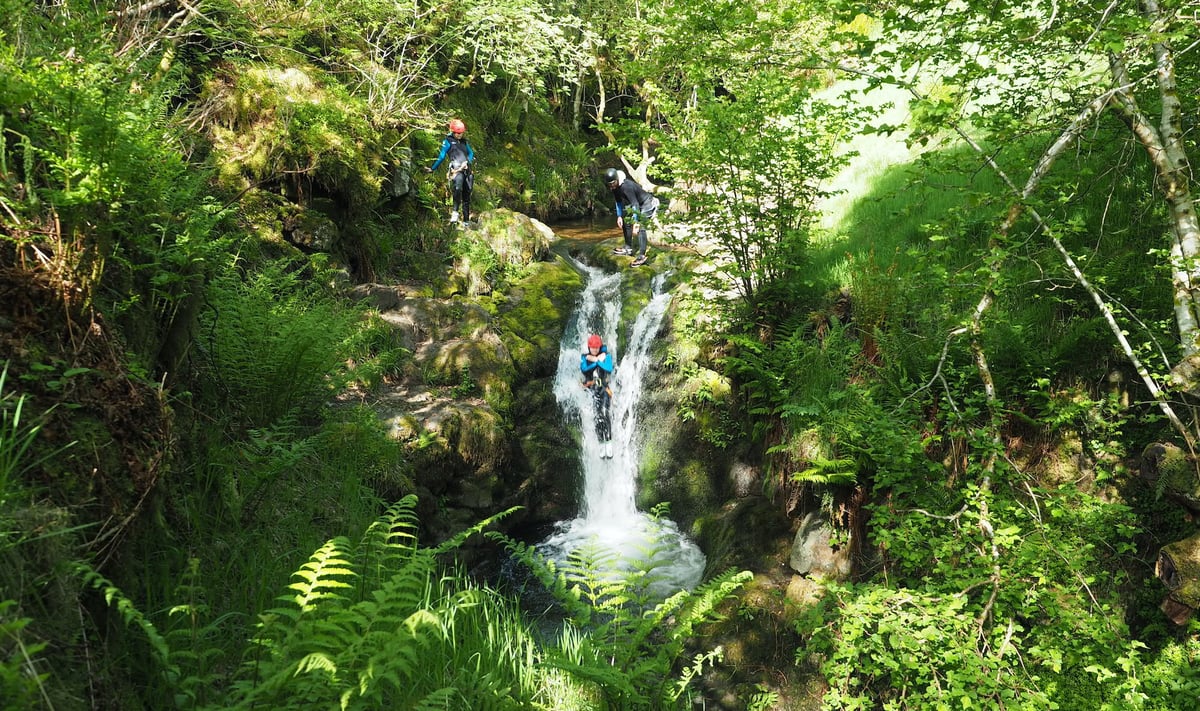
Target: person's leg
(468, 186)
(643, 234)
(641, 250)
(604, 426)
(455, 198)
(456, 189)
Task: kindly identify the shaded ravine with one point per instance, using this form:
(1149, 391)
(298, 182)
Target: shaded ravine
(609, 529)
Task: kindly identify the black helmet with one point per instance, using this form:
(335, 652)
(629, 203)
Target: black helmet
(610, 176)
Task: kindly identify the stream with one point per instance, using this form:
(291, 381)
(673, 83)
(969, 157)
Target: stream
(610, 532)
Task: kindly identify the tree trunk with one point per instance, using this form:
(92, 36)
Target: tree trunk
(1164, 144)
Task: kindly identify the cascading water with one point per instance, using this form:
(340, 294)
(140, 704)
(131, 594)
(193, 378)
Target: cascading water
(610, 525)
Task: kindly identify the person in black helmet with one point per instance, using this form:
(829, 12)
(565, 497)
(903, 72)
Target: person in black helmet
(634, 205)
(625, 225)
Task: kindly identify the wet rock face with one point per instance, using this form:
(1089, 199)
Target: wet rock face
(475, 406)
(814, 552)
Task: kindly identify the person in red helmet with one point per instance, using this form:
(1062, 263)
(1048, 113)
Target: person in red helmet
(597, 367)
(460, 174)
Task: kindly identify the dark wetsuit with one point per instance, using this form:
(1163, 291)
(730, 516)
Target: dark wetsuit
(598, 377)
(461, 157)
(633, 202)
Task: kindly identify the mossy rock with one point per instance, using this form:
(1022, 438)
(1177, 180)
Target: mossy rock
(496, 252)
(1179, 568)
(483, 359)
(533, 313)
(266, 121)
(422, 320)
(449, 439)
(517, 239)
(546, 473)
(1168, 468)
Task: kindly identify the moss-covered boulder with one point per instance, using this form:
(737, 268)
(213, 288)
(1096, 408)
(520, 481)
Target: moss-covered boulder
(533, 313)
(1178, 568)
(495, 251)
(293, 126)
(1171, 470)
(475, 406)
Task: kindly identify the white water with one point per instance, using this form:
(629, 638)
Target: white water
(610, 526)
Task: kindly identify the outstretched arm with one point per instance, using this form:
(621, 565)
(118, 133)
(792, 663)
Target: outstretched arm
(441, 156)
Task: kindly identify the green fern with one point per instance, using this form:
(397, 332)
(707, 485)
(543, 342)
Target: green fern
(827, 471)
(616, 636)
(383, 624)
(20, 681)
(380, 624)
(131, 616)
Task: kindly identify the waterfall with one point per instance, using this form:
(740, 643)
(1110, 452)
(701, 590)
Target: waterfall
(609, 523)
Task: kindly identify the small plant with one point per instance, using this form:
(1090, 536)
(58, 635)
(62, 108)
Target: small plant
(20, 680)
(17, 437)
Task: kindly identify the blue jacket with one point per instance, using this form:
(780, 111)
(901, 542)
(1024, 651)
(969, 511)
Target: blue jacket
(601, 368)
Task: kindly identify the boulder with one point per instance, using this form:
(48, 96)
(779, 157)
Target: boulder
(1178, 567)
(815, 554)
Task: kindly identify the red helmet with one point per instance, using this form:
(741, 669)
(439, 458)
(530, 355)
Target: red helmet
(594, 341)
(457, 126)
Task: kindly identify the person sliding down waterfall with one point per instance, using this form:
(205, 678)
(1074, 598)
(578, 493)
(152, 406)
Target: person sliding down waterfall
(597, 367)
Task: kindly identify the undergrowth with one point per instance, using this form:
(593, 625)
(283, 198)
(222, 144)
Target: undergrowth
(384, 622)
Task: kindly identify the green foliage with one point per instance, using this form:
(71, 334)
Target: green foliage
(357, 628)
(912, 650)
(93, 174)
(377, 351)
(132, 616)
(16, 438)
(619, 633)
(20, 680)
(296, 125)
(360, 625)
(828, 471)
(755, 190)
(477, 260)
(275, 343)
(708, 403)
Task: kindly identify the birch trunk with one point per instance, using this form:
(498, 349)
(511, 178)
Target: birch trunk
(1164, 144)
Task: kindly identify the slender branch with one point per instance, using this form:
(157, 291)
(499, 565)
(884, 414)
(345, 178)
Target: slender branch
(1068, 135)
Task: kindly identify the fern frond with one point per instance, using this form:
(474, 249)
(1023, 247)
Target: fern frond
(828, 471)
(317, 661)
(323, 576)
(389, 541)
(462, 536)
(438, 700)
(703, 602)
(547, 573)
(597, 672)
(130, 615)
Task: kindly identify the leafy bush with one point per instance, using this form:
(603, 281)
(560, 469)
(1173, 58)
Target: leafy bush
(275, 344)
